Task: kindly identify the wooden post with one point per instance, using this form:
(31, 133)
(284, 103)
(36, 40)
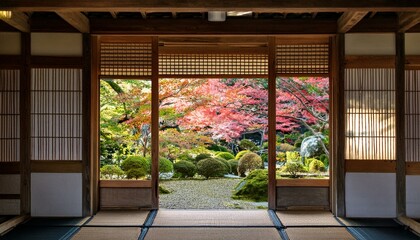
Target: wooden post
(272, 194)
(338, 161)
(400, 122)
(25, 125)
(155, 123)
(94, 127)
(86, 124)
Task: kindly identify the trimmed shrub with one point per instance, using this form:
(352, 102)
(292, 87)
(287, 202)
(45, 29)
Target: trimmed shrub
(110, 171)
(185, 168)
(241, 153)
(285, 147)
(165, 165)
(246, 144)
(225, 155)
(248, 162)
(233, 166)
(211, 167)
(185, 157)
(316, 166)
(293, 168)
(225, 162)
(308, 161)
(218, 148)
(138, 163)
(325, 159)
(201, 156)
(281, 157)
(136, 173)
(292, 156)
(253, 187)
(164, 190)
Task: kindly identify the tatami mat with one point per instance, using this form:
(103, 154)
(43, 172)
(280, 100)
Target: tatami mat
(39, 233)
(368, 222)
(119, 218)
(212, 234)
(51, 222)
(319, 234)
(212, 218)
(307, 218)
(392, 233)
(108, 233)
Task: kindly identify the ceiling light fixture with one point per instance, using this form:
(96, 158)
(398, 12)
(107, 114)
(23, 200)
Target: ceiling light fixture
(5, 14)
(216, 16)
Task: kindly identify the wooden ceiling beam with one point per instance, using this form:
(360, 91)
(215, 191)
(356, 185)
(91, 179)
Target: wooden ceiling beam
(205, 5)
(408, 20)
(348, 20)
(77, 20)
(19, 21)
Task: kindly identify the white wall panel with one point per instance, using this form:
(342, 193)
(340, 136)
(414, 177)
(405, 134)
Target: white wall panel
(412, 43)
(413, 196)
(370, 44)
(10, 43)
(9, 207)
(56, 194)
(9, 184)
(57, 44)
(371, 195)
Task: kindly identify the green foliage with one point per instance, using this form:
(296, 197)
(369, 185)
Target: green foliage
(281, 157)
(211, 167)
(241, 153)
(165, 165)
(202, 156)
(293, 168)
(265, 145)
(246, 144)
(185, 168)
(136, 173)
(248, 162)
(233, 166)
(218, 148)
(254, 186)
(264, 157)
(164, 190)
(316, 166)
(226, 163)
(292, 156)
(285, 147)
(111, 171)
(185, 157)
(225, 155)
(136, 163)
(308, 161)
(325, 159)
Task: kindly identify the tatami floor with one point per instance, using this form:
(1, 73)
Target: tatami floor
(211, 225)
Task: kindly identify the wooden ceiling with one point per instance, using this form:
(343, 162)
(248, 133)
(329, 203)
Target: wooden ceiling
(190, 16)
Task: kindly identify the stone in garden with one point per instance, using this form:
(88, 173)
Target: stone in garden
(312, 146)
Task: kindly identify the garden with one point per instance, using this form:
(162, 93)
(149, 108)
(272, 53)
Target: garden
(213, 135)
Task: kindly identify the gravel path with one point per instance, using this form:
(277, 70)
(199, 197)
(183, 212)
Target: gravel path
(204, 194)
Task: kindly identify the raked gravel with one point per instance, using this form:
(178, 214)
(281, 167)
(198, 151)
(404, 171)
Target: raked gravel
(204, 194)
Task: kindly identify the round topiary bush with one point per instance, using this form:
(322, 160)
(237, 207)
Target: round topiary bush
(138, 163)
(308, 161)
(111, 171)
(185, 168)
(233, 166)
(316, 166)
(201, 156)
(293, 168)
(225, 162)
(225, 155)
(254, 186)
(165, 165)
(219, 148)
(246, 144)
(211, 167)
(241, 153)
(248, 162)
(285, 147)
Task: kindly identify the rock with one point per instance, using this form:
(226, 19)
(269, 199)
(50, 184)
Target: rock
(311, 146)
(166, 175)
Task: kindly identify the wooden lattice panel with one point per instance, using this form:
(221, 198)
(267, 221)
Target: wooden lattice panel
(207, 65)
(125, 59)
(56, 114)
(303, 59)
(412, 116)
(9, 116)
(370, 114)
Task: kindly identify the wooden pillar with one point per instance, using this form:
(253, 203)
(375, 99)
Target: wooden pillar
(86, 124)
(400, 122)
(272, 194)
(339, 127)
(94, 127)
(155, 123)
(25, 125)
